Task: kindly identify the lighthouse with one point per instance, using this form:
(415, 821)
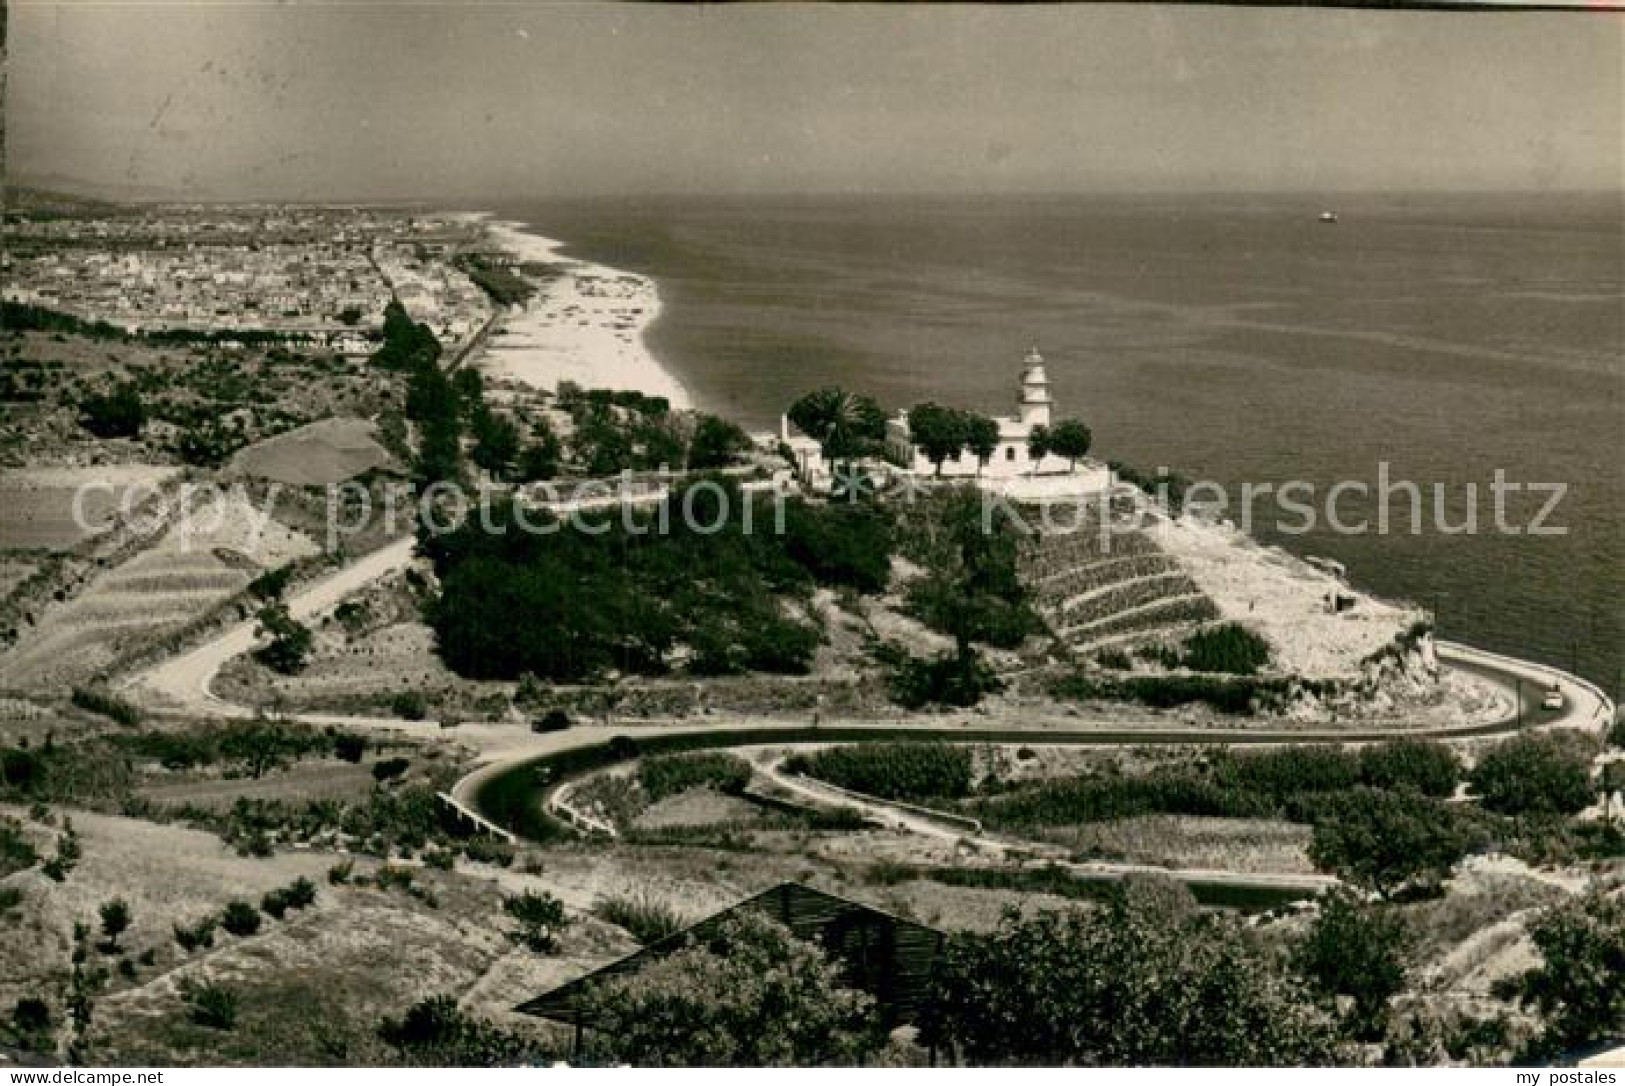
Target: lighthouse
(1035, 400)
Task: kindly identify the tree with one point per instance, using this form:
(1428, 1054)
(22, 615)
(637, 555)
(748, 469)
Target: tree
(117, 413)
(715, 443)
(843, 423)
(938, 431)
(1540, 774)
(750, 995)
(541, 918)
(115, 920)
(1580, 985)
(289, 641)
(1358, 951)
(540, 459)
(1071, 439)
(1038, 445)
(981, 438)
(1146, 979)
(1388, 841)
(496, 442)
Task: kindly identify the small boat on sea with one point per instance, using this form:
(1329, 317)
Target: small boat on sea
(1328, 216)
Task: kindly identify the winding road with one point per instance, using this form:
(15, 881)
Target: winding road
(183, 685)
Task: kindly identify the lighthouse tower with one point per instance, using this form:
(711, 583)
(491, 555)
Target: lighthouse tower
(1035, 400)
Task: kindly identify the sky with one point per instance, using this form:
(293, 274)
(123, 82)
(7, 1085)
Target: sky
(224, 100)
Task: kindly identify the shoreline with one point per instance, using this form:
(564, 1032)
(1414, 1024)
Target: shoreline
(588, 323)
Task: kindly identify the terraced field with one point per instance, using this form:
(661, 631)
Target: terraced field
(148, 596)
(1098, 590)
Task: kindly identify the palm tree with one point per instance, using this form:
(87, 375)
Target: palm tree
(843, 423)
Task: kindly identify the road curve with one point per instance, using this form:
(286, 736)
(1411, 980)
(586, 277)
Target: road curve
(185, 681)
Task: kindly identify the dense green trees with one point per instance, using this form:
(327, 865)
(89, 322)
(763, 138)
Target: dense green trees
(1538, 774)
(118, 412)
(752, 995)
(619, 593)
(1145, 980)
(973, 591)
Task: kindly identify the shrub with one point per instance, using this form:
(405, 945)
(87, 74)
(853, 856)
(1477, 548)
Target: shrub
(1114, 660)
(957, 677)
(350, 747)
(10, 898)
(540, 917)
(900, 770)
(106, 704)
(409, 705)
(1229, 648)
(274, 904)
(212, 1005)
(389, 768)
(301, 893)
(240, 918)
(645, 917)
(1427, 767)
(671, 774)
(31, 1017)
(554, 720)
(1547, 773)
(340, 873)
(271, 584)
(200, 934)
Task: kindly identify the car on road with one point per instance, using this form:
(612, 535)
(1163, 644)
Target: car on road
(1553, 699)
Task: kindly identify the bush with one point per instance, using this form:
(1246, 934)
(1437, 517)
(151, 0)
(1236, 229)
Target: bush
(957, 677)
(1229, 648)
(903, 770)
(106, 704)
(240, 918)
(554, 720)
(671, 774)
(1547, 773)
(340, 873)
(31, 1017)
(199, 935)
(389, 768)
(1419, 765)
(350, 747)
(212, 1005)
(409, 705)
(540, 917)
(645, 917)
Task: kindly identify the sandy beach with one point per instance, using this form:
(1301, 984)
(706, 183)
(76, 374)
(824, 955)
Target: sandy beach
(586, 324)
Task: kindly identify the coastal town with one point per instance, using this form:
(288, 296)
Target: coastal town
(289, 778)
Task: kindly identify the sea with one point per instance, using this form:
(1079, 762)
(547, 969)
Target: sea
(1439, 339)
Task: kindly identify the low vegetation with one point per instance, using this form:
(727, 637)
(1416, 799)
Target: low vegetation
(906, 771)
